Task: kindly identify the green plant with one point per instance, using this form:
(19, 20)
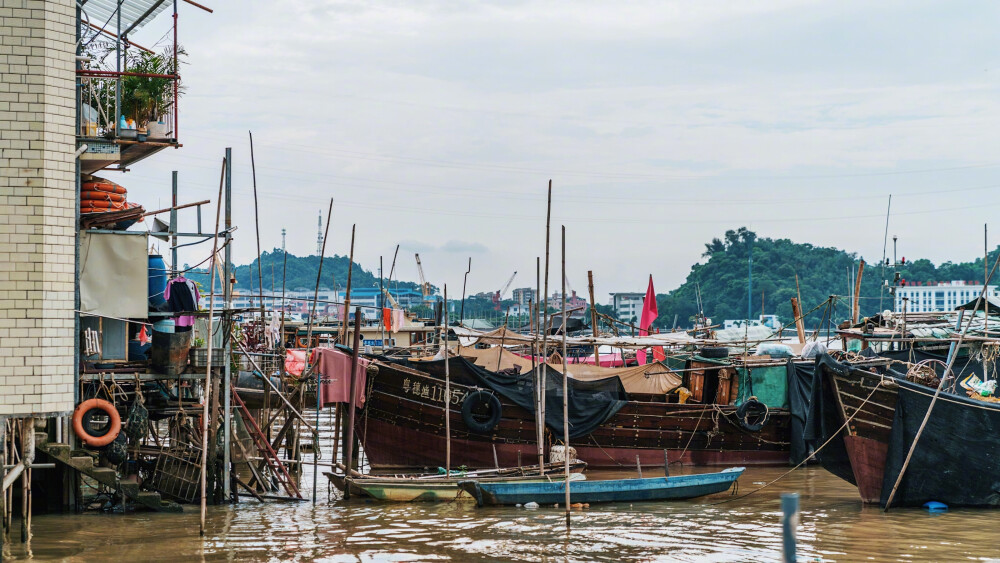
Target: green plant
(146, 98)
(199, 342)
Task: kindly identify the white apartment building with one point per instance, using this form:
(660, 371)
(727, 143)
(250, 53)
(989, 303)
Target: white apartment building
(627, 305)
(939, 296)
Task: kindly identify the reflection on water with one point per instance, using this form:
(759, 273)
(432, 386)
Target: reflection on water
(835, 526)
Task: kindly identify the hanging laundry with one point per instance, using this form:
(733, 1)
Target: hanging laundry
(143, 336)
(397, 320)
(387, 318)
(295, 361)
(182, 297)
(334, 368)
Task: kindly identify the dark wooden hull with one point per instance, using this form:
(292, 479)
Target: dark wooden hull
(402, 427)
(867, 443)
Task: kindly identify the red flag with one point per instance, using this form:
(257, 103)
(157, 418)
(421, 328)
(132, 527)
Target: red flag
(387, 318)
(658, 354)
(649, 314)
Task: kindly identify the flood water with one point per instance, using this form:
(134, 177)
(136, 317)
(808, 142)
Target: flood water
(834, 527)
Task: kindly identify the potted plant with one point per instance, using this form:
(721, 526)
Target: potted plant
(148, 99)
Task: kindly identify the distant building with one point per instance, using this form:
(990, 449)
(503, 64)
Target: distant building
(627, 305)
(522, 295)
(574, 301)
(939, 296)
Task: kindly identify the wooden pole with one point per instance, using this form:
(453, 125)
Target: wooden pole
(447, 387)
(208, 370)
(347, 295)
(502, 336)
(565, 374)
(593, 316)
(256, 222)
(309, 330)
(855, 307)
(352, 404)
(545, 309)
(800, 328)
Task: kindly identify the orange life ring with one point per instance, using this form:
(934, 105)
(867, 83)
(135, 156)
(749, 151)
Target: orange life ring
(95, 195)
(302, 342)
(114, 424)
(102, 204)
(105, 186)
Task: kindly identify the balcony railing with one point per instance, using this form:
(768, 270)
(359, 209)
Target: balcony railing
(147, 101)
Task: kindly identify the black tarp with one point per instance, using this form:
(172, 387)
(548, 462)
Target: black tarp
(591, 403)
(815, 417)
(956, 461)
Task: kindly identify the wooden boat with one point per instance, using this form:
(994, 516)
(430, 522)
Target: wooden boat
(440, 490)
(357, 481)
(612, 490)
(402, 425)
(956, 461)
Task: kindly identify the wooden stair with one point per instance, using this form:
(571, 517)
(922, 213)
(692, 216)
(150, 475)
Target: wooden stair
(84, 464)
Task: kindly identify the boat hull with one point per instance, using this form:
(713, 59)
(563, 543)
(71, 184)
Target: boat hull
(444, 490)
(615, 490)
(402, 428)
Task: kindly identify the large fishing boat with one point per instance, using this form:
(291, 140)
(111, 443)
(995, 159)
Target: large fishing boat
(492, 414)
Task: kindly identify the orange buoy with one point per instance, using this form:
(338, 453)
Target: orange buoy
(94, 195)
(114, 422)
(104, 186)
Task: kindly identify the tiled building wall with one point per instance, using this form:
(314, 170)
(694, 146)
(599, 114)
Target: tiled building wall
(37, 202)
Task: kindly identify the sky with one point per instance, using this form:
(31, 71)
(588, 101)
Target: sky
(437, 125)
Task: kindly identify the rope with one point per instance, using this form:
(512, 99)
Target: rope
(690, 438)
(811, 455)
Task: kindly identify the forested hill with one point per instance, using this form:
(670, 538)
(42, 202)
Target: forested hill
(822, 272)
(301, 273)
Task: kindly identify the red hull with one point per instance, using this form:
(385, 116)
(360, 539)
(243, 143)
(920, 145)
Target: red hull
(868, 463)
(389, 446)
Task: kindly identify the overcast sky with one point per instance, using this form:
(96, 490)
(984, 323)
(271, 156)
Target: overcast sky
(437, 125)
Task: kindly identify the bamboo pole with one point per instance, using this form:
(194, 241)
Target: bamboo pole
(593, 315)
(312, 317)
(347, 296)
(352, 404)
(800, 328)
(565, 374)
(545, 309)
(208, 340)
(447, 388)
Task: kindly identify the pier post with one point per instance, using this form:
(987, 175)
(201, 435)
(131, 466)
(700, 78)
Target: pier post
(789, 525)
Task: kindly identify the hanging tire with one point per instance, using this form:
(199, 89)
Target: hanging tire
(84, 415)
(474, 417)
(752, 414)
(714, 352)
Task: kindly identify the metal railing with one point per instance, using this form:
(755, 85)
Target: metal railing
(106, 96)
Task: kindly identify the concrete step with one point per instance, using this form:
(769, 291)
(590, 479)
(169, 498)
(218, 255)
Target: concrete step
(81, 463)
(104, 475)
(154, 501)
(56, 450)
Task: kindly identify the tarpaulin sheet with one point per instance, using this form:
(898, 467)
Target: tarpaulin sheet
(114, 280)
(768, 383)
(957, 459)
(591, 403)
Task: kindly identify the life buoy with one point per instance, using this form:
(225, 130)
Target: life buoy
(752, 414)
(94, 195)
(302, 342)
(105, 186)
(99, 204)
(476, 421)
(81, 422)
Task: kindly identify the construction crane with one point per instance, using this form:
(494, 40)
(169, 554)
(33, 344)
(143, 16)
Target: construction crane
(498, 296)
(425, 288)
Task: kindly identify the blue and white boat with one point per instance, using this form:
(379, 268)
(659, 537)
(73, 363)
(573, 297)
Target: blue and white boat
(613, 490)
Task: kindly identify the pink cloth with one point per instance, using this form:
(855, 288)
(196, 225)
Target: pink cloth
(295, 361)
(183, 320)
(334, 367)
(649, 314)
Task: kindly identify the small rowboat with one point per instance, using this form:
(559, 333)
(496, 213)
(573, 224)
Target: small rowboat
(612, 490)
(435, 487)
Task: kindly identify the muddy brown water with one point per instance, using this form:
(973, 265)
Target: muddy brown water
(835, 526)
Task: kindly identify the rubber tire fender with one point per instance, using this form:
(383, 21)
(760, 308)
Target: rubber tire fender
(714, 352)
(474, 399)
(114, 426)
(756, 409)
